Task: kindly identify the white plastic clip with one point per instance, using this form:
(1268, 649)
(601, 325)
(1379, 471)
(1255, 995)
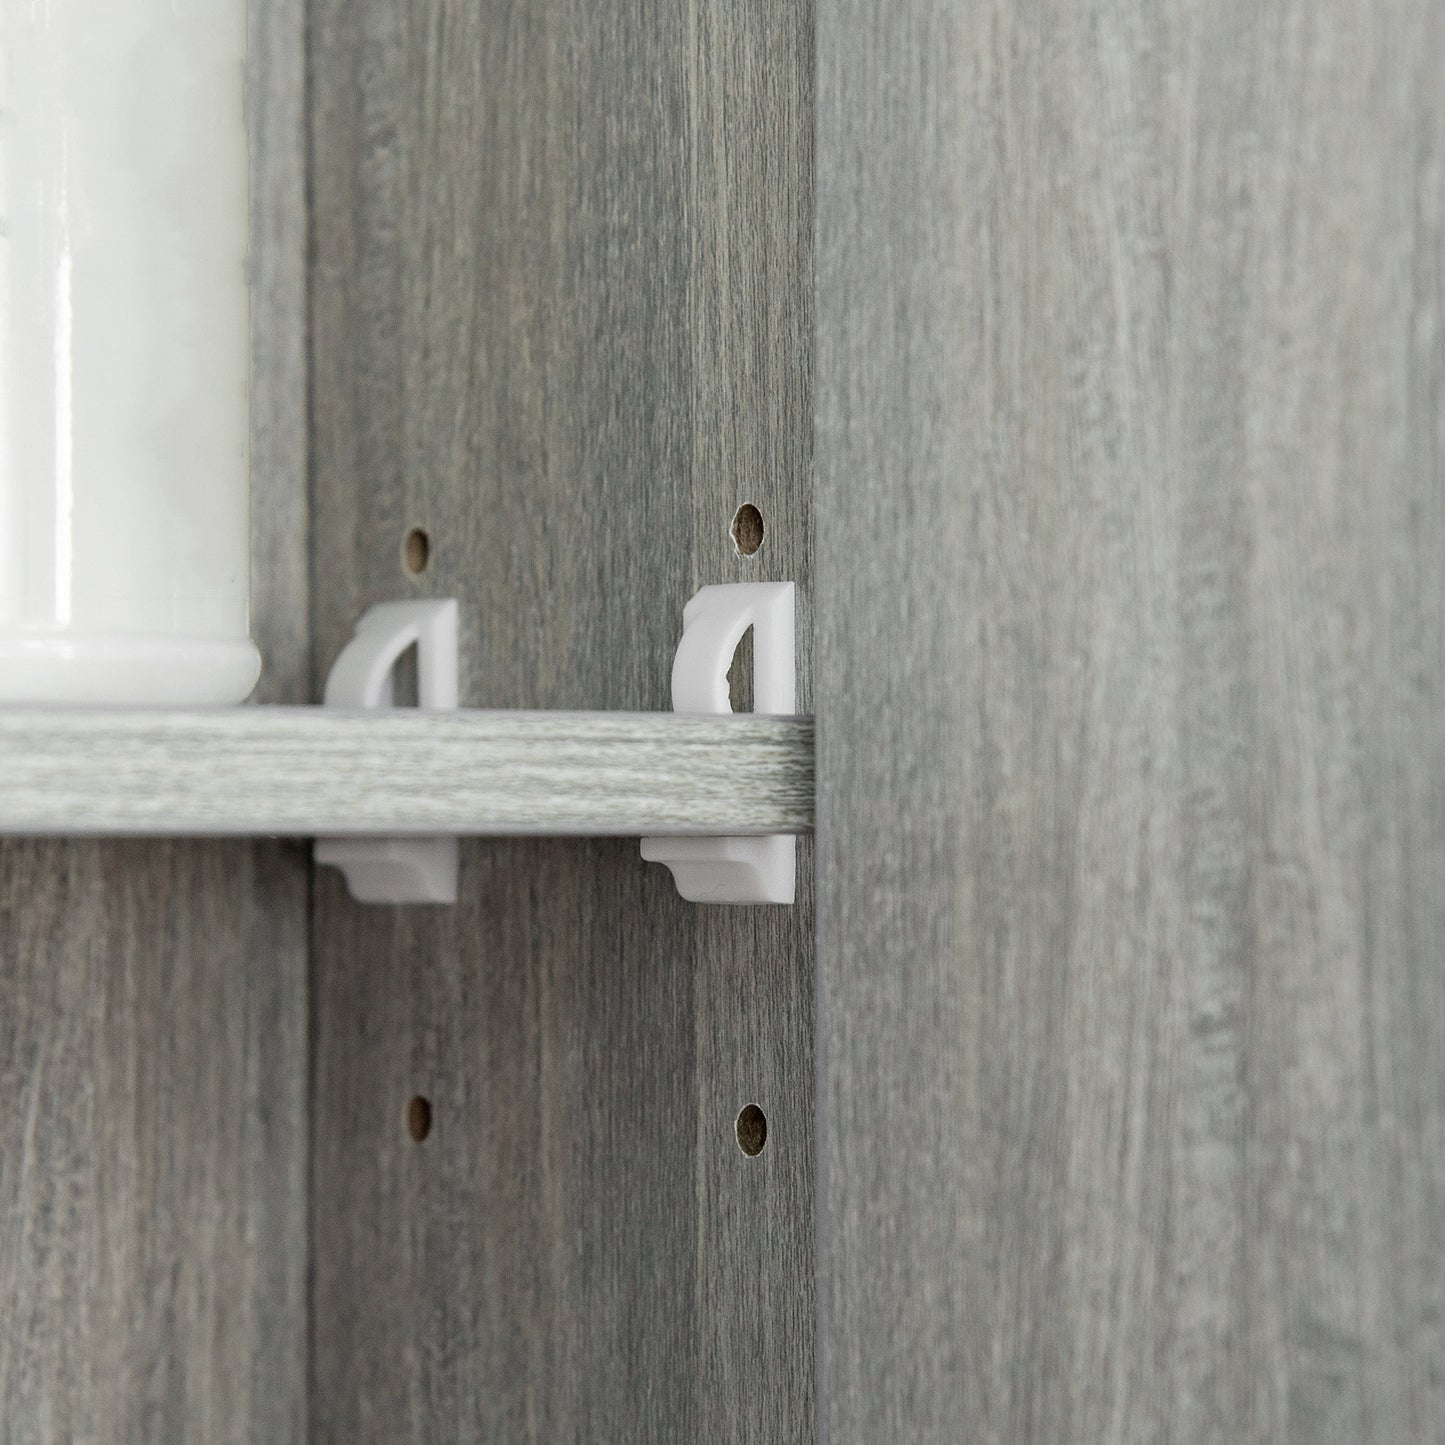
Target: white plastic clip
(397, 870)
(734, 870)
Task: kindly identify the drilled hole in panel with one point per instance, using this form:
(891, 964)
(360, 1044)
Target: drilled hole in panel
(416, 551)
(418, 1118)
(748, 530)
(752, 1130)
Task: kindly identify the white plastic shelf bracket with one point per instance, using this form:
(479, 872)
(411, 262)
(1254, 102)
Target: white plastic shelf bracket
(397, 870)
(734, 870)
(388, 790)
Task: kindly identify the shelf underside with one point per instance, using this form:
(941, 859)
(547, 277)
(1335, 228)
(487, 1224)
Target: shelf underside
(320, 771)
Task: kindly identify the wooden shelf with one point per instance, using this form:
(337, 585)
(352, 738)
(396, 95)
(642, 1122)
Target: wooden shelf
(321, 771)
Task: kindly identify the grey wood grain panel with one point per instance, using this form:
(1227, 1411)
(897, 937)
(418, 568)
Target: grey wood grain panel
(153, 1014)
(750, 98)
(562, 321)
(280, 502)
(1131, 497)
(322, 771)
(152, 1242)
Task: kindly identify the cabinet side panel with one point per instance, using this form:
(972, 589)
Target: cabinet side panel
(1131, 697)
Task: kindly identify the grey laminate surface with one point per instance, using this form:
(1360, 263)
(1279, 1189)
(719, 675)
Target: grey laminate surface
(317, 771)
(561, 320)
(280, 501)
(152, 1241)
(1131, 494)
(153, 1017)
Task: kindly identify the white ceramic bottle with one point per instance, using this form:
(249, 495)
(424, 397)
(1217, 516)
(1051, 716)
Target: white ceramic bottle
(124, 487)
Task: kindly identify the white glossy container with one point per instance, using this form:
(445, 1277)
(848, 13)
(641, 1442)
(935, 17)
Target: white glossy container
(124, 488)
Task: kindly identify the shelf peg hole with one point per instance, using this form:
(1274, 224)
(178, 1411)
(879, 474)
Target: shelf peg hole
(748, 530)
(418, 1118)
(416, 551)
(752, 1130)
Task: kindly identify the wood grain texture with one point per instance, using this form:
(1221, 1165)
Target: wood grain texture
(311, 771)
(280, 500)
(561, 315)
(1131, 495)
(153, 1015)
(152, 1242)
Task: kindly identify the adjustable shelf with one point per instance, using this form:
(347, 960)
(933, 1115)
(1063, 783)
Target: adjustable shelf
(387, 791)
(401, 772)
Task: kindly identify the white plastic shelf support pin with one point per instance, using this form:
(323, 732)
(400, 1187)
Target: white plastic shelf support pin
(397, 870)
(388, 790)
(734, 870)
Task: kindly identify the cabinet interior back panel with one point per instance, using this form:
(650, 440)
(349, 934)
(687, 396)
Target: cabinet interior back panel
(561, 318)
